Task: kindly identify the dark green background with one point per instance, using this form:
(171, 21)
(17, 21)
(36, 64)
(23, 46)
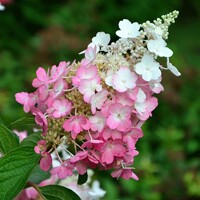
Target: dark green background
(37, 33)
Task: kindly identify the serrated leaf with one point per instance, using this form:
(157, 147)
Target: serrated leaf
(31, 140)
(38, 175)
(23, 121)
(15, 168)
(82, 178)
(57, 192)
(8, 140)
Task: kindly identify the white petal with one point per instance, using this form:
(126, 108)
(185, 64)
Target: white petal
(147, 76)
(141, 96)
(173, 69)
(124, 24)
(140, 68)
(156, 73)
(121, 34)
(147, 59)
(165, 52)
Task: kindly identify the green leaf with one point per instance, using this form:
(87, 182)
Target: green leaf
(15, 168)
(23, 121)
(8, 140)
(82, 178)
(57, 192)
(38, 175)
(31, 140)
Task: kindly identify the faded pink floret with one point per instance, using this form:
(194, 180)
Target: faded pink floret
(60, 71)
(98, 99)
(145, 108)
(61, 108)
(84, 73)
(88, 87)
(124, 99)
(58, 89)
(98, 122)
(124, 79)
(90, 53)
(119, 117)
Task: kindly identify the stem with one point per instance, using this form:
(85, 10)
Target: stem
(69, 89)
(57, 154)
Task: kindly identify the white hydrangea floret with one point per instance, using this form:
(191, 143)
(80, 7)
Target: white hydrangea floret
(158, 47)
(128, 29)
(101, 39)
(2, 7)
(172, 68)
(140, 101)
(96, 192)
(148, 68)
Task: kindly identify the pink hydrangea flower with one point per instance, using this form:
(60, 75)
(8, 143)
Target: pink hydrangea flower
(41, 147)
(110, 133)
(88, 87)
(76, 124)
(111, 149)
(40, 119)
(23, 98)
(131, 138)
(98, 99)
(42, 78)
(62, 171)
(125, 174)
(43, 93)
(98, 122)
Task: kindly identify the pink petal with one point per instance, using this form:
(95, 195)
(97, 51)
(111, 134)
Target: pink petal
(45, 162)
(22, 97)
(107, 156)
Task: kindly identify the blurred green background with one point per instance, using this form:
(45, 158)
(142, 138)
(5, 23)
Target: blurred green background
(37, 33)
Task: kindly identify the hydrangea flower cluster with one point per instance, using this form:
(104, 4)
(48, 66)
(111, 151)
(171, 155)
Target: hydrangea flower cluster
(98, 105)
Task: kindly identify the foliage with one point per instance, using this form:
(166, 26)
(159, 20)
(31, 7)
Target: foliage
(35, 33)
